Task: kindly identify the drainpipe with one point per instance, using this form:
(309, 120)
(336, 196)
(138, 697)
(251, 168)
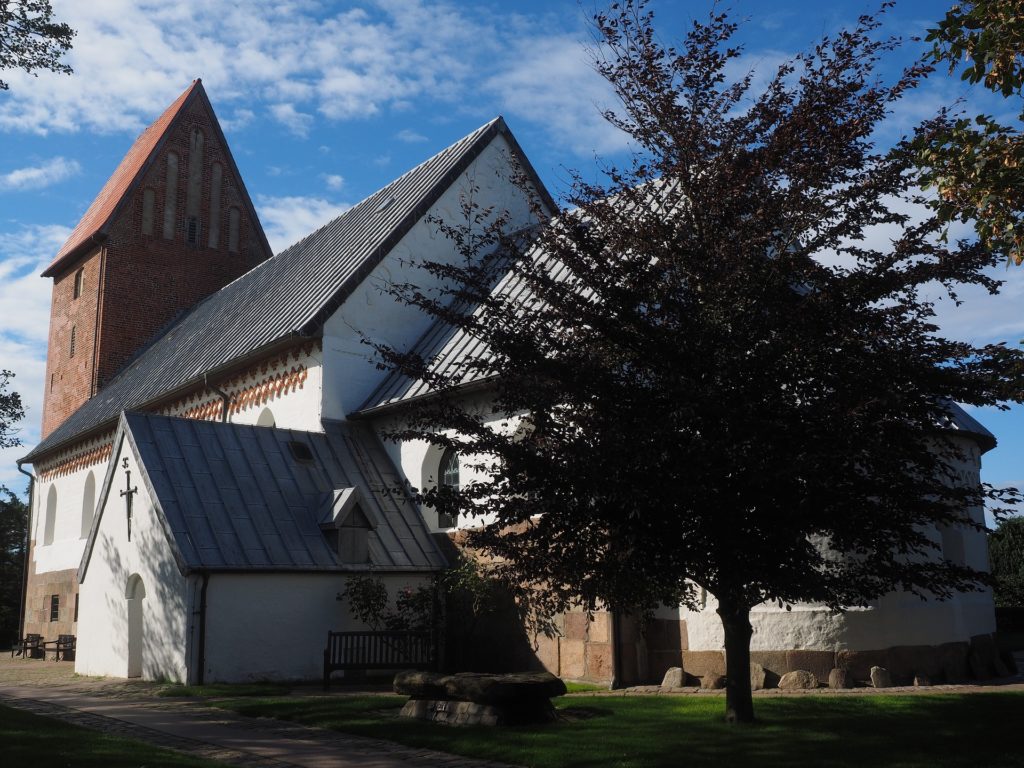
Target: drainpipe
(223, 396)
(201, 662)
(28, 533)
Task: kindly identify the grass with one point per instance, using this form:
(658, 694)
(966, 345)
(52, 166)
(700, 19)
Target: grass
(651, 731)
(584, 687)
(41, 742)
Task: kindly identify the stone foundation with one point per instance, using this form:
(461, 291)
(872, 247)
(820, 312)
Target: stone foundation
(41, 588)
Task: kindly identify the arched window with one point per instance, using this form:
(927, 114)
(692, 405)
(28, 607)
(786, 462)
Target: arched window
(216, 175)
(448, 475)
(195, 176)
(88, 504)
(234, 224)
(79, 282)
(266, 418)
(148, 205)
(171, 195)
(50, 521)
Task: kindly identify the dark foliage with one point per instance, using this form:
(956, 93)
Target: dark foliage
(11, 412)
(709, 375)
(30, 39)
(1006, 550)
(13, 524)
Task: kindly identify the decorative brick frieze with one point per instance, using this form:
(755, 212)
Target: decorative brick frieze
(96, 451)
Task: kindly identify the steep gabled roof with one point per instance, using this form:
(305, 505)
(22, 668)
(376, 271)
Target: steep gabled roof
(288, 296)
(232, 497)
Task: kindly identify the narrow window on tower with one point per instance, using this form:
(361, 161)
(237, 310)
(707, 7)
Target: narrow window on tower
(216, 176)
(170, 195)
(53, 378)
(79, 282)
(71, 349)
(148, 204)
(234, 222)
(76, 608)
(192, 230)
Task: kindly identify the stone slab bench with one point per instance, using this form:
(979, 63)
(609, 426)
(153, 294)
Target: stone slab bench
(473, 698)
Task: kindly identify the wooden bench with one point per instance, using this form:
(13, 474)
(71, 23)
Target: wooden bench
(377, 650)
(30, 646)
(61, 647)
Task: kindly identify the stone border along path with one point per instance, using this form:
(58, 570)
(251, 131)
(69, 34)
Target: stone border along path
(129, 709)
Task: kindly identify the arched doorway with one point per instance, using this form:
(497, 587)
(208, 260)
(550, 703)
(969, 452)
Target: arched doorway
(135, 594)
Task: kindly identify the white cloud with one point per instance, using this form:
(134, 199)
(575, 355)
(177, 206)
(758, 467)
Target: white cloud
(297, 122)
(51, 172)
(410, 136)
(24, 326)
(334, 181)
(550, 80)
(286, 220)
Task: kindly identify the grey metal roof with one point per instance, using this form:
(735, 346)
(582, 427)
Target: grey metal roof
(289, 295)
(234, 497)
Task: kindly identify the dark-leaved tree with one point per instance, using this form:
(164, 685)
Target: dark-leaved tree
(705, 373)
(13, 524)
(11, 412)
(30, 39)
(1006, 550)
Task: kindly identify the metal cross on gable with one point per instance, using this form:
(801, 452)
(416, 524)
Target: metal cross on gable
(128, 492)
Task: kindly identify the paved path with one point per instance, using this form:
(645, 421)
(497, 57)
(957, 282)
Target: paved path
(131, 711)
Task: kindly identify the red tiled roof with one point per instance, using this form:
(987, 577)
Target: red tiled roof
(118, 185)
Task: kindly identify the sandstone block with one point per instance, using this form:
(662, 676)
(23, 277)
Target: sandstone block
(880, 677)
(572, 659)
(758, 677)
(712, 682)
(839, 678)
(674, 678)
(797, 679)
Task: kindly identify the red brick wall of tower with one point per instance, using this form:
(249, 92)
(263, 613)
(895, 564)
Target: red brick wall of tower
(137, 282)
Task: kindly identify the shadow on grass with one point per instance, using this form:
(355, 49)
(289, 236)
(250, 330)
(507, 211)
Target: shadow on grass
(41, 742)
(900, 731)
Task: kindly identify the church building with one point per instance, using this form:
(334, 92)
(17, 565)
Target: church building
(212, 468)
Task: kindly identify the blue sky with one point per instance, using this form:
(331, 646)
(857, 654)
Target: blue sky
(324, 102)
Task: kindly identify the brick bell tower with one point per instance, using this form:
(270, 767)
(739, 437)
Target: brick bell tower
(173, 224)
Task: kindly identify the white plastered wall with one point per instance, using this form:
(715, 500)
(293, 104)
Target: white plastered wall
(267, 626)
(68, 543)
(419, 460)
(350, 373)
(103, 609)
(897, 619)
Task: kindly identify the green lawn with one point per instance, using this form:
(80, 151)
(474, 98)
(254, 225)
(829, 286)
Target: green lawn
(602, 732)
(41, 742)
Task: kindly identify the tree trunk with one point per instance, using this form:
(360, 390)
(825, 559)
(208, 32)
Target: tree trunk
(739, 704)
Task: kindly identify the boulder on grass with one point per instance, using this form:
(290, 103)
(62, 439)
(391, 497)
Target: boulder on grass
(880, 677)
(758, 677)
(839, 678)
(480, 688)
(675, 677)
(712, 681)
(798, 679)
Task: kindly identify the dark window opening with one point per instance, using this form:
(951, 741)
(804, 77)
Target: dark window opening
(79, 282)
(53, 378)
(71, 349)
(192, 230)
(353, 538)
(54, 607)
(300, 452)
(76, 607)
(449, 472)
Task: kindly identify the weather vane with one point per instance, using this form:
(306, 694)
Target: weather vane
(128, 492)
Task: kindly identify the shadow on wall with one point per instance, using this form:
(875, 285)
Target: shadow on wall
(158, 611)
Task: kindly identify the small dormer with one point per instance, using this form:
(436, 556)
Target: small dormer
(346, 526)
